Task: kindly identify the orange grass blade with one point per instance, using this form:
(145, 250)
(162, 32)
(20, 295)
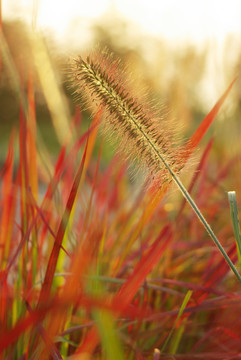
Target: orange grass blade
(207, 121)
(92, 139)
(191, 145)
(45, 291)
(37, 315)
(23, 241)
(148, 211)
(53, 350)
(4, 295)
(197, 173)
(7, 202)
(215, 275)
(143, 268)
(8, 337)
(133, 283)
(31, 139)
(81, 261)
(59, 168)
(188, 149)
(23, 166)
(63, 162)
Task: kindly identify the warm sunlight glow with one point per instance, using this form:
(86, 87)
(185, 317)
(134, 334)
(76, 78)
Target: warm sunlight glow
(185, 19)
(58, 14)
(208, 24)
(173, 19)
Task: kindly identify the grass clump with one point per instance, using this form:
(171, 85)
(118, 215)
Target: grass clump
(90, 269)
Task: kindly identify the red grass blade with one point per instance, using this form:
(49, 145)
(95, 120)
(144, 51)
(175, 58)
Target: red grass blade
(10, 336)
(23, 166)
(207, 121)
(31, 139)
(53, 350)
(7, 206)
(143, 268)
(133, 283)
(216, 274)
(197, 173)
(45, 291)
(188, 150)
(36, 316)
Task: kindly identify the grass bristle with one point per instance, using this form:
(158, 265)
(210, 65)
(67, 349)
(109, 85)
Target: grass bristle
(143, 133)
(139, 133)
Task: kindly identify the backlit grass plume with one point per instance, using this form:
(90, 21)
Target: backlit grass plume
(143, 134)
(102, 81)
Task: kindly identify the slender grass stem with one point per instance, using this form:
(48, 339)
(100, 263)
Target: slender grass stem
(202, 219)
(194, 206)
(134, 122)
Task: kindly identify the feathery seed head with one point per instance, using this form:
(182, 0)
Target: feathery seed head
(142, 132)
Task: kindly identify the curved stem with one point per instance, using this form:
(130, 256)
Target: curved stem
(202, 219)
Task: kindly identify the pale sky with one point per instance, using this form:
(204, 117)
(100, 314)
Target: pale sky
(175, 20)
(207, 22)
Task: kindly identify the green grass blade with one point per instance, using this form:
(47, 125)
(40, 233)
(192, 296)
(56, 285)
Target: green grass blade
(235, 220)
(177, 339)
(109, 335)
(107, 328)
(202, 219)
(182, 308)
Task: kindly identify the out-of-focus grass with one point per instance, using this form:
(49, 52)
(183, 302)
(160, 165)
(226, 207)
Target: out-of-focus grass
(170, 74)
(99, 267)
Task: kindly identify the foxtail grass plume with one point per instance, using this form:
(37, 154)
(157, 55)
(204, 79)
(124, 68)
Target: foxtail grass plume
(102, 80)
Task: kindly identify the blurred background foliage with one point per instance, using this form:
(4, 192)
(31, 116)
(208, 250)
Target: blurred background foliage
(175, 76)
